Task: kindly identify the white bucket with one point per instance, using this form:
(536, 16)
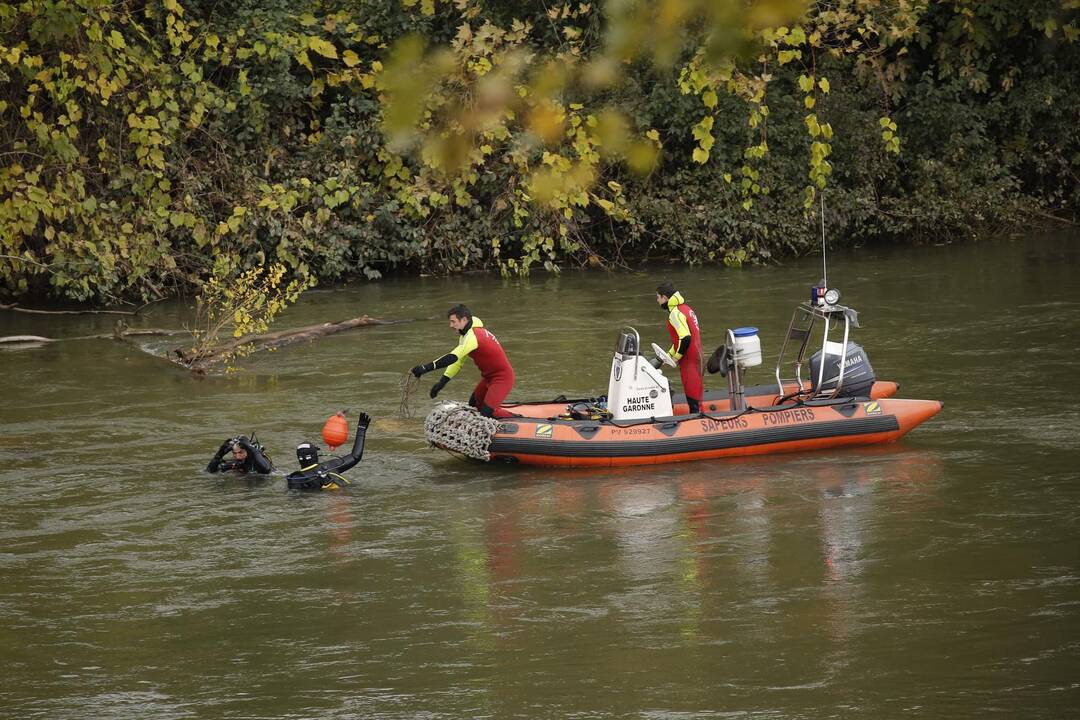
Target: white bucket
(747, 347)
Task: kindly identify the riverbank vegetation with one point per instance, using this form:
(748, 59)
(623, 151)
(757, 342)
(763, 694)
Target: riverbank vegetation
(148, 148)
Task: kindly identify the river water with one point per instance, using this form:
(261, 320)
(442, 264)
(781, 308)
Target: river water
(938, 577)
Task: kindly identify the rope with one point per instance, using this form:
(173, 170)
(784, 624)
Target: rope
(461, 429)
(407, 384)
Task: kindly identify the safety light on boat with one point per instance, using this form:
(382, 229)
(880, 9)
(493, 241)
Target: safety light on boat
(832, 296)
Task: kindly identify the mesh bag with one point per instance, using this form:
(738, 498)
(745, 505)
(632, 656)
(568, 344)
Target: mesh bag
(460, 428)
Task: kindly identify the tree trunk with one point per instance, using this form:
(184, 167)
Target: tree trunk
(201, 362)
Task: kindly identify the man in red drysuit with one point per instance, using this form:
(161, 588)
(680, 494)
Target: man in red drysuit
(685, 349)
(497, 376)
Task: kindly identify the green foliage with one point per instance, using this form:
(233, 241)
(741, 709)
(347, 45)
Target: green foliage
(238, 304)
(147, 146)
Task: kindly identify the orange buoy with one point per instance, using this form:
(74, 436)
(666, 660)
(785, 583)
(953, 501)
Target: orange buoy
(336, 430)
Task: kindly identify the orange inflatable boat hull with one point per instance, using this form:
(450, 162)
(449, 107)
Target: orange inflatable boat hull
(757, 431)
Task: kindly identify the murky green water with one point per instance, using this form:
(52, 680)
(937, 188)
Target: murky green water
(939, 577)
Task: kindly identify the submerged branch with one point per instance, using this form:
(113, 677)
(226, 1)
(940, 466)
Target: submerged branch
(15, 308)
(120, 333)
(201, 362)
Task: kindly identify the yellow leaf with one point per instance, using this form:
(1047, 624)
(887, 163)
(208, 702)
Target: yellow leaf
(350, 58)
(323, 47)
(701, 155)
(786, 56)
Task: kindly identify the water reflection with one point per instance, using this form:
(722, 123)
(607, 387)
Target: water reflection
(857, 500)
(687, 546)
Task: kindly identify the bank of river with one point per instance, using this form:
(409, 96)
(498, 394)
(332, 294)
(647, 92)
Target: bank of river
(939, 577)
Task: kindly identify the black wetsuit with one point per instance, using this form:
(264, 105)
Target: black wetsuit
(256, 461)
(327, 473)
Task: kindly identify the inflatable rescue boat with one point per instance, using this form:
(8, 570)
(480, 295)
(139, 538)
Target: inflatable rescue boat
(789, 427)
(840, 403)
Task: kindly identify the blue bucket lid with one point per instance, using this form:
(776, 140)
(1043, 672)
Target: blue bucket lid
(744, 331)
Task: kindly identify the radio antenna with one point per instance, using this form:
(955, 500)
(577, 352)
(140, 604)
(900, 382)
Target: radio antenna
(824, 264)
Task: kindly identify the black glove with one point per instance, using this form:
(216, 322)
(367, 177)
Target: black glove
(472, 399)
(656, 362)
(438, 386)
(419, 370)
(363, 421)
(226, 447)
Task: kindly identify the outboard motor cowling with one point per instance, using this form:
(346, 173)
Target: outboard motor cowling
(858, 373)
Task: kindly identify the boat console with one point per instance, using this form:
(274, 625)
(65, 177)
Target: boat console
(635, 388)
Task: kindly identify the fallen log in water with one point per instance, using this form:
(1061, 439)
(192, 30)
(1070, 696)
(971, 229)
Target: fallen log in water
(202, 361)
(18, 339)
(119, 334)
(15, 308)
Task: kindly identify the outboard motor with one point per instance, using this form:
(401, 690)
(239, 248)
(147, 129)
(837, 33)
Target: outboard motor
(858, 374)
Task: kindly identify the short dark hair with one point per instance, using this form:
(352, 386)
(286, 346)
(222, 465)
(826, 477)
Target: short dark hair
(666, 288)
(460, 311)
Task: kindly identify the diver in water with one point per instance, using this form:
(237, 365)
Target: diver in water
(314, 475)
(247, 456)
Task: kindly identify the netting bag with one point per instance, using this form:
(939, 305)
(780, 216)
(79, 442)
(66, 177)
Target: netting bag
(459, 428)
